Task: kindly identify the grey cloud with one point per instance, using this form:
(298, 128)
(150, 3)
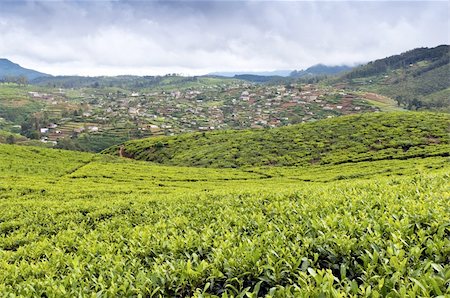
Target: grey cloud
(112, 37)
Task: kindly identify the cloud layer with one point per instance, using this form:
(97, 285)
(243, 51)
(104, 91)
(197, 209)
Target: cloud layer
(137, 37)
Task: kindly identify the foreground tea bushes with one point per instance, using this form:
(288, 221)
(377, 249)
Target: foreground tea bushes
(102, 226)
(108, 230)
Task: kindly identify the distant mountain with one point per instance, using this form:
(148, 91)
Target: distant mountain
(259, 78)
(320, 69)
(277, 75)
(280, 73)
(416, 79)
(10, 69)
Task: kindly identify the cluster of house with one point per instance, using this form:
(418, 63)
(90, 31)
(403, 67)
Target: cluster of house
(51, 133)
(237, 105)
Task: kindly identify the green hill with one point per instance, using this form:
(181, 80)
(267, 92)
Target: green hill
(417, 79)
(320, 69)
(167, 82)
(355, 138)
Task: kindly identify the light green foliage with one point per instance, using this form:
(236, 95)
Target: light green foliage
(7, 137)
(74, 224)
(33, 161)
(355, 138)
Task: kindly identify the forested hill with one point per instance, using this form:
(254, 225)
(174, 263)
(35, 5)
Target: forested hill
(364, 137)
(417, 79)
(438, 56)
(12, 71)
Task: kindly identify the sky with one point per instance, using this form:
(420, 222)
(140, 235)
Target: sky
(113, 37)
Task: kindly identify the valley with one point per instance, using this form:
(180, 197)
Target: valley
(106, 116)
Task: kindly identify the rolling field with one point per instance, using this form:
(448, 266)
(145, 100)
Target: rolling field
(345, 139)
(77, 224)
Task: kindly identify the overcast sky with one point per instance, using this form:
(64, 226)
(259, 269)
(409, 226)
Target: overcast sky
(159, 37)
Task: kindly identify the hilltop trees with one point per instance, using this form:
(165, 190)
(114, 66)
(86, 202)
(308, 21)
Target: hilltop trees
(21, 80)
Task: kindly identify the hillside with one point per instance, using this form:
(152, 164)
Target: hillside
(99, 116)
(365, 137)
(130, 82)
(320, 69)
(417, 79)
(9, 70)
(118, 227)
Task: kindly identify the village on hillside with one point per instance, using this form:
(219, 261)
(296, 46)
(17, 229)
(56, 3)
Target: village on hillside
(71, 113)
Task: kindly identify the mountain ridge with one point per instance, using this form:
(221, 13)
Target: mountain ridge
(314, 70)
(320, 69)
(11, 69)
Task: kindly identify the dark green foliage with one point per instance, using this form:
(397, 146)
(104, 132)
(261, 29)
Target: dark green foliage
(320, 69)
(18, 114)
(417, 79)
(10, 139)
(125, 81)
(259, 78)
(438, 55)
(355, 138)
(90, 143)
(96, 82)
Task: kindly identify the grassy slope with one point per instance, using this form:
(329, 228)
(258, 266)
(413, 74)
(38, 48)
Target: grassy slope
(5, 134)
(355, 138)
(103, 225)
(425, 85)
(15, 103)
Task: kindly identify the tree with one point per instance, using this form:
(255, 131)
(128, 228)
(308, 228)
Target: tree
(416, 103)
(399, 100)
(22, 80)
(10, 139)
(68, 144)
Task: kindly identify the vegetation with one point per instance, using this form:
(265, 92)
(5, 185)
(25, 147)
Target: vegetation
(95, 118)
(130, 82)
(10, 138)
(364, 137)
(94, 113)
(351, 206)
(320, 69)
(438, 55)
(417, 79)
(105, 226)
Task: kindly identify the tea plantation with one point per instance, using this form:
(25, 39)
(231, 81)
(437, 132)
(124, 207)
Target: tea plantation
(78, 224)
(345, 139)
